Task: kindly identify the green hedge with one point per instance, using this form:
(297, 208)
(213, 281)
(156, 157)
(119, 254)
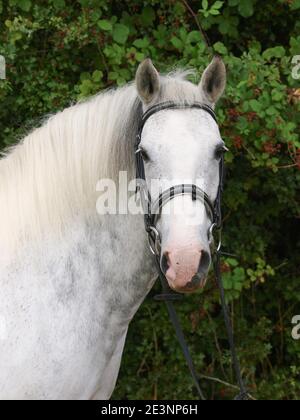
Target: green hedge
(59, 51)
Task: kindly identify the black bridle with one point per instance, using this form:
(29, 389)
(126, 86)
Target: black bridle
(151, 214)
(151, 208)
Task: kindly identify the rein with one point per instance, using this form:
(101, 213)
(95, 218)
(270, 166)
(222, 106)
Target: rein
(151, 213)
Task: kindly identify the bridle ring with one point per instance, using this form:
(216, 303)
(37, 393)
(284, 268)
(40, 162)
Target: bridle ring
(211, 237)
(154, 240)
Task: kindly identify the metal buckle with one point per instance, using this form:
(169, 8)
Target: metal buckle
(211, 237)
(154, 240)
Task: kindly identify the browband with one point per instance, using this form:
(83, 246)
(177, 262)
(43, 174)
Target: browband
(172, 105)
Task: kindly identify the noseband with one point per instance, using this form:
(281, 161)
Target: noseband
(213, 209)
(151, 209)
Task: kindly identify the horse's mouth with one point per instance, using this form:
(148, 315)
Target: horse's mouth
(197, 282)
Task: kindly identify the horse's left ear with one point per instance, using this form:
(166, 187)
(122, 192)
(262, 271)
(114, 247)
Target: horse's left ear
(213, 80)
(147, 81)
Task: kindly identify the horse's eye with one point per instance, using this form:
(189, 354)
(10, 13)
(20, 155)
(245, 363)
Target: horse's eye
(144, 155)
(220, 151)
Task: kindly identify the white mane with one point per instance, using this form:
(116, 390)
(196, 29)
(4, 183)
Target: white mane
(50, 177)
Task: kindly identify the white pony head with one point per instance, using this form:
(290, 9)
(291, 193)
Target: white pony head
(182, 146)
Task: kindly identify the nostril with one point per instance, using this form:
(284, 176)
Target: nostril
(165, 262)
(204, 263)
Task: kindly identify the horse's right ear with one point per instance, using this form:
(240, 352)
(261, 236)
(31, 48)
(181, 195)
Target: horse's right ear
(147, 81)
(213, 80)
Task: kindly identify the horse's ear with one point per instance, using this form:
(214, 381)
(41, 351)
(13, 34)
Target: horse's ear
(213, 80)
(147, 81)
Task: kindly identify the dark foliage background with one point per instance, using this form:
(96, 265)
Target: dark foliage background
(58, 51)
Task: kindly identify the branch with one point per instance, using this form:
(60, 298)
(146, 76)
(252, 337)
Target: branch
(287, 166)
(211, 378)
(194, 15)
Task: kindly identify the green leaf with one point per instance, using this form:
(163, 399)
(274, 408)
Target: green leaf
(225, 26)
(232, 261)
(86, 88)
(294, 5)
(120, 33)
(277, 95)
(275, 52)
(95, 16)
(194, 37)
(227, 282)
(24, 5)
(141, 43)
(239, 273)
(59, 4)
(205, 4)
(294, 43)
(271, 111)
(255, 105)
(121, 81)
(105, 25)
(147, 16)
(139, 56)
(246, 8)
(177, 43)
(214, 12)
(113, 75)
(238, 286)
(217, 5)
(97, 75)
(84, 76)
(84, 3)
(220, 48)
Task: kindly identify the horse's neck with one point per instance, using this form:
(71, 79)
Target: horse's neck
(127, 267)
(107, 263)
(48, 213)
